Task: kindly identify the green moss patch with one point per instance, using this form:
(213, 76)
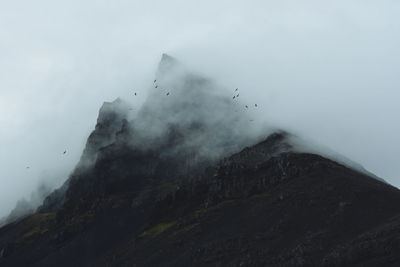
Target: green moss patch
(40, 222)
(157, 229)
(220, 205)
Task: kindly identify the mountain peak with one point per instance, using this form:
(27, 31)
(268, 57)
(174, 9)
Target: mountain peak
(167, 64)
(167, 58)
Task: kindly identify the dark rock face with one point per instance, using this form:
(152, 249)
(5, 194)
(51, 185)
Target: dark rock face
(161, 203)
(111, 119)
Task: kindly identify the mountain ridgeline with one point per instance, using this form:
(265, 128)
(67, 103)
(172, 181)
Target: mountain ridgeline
(190, 180)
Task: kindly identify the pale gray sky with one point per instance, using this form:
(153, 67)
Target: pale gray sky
(327, 70)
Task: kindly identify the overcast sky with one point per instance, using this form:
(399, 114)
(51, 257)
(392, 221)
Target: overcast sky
(326, 70)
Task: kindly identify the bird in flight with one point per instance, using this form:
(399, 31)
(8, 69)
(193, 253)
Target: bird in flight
(233, 97)
(167, 93)
(135, 93)
(156, 86)
(236, 89)
(27, 167)
(237, 95)
(65, 151)
(255, 105)
(154, 81)
(247, 106)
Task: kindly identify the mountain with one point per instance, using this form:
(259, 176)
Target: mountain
(188, 181)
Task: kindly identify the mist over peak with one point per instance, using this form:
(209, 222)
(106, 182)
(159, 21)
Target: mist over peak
(166, 64)
(202, 111)
(187, 122)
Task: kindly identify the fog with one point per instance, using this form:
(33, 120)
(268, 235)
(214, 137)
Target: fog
(324, 70)
(190, 116)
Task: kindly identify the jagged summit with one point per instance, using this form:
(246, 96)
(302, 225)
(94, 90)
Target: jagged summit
(167, 58)
(167, 65)
(167, 62)
(189, 129)
(118, 107)
(188, 104)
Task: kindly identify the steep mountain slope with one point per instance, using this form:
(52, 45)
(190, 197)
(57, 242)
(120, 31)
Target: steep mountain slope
(182, 186)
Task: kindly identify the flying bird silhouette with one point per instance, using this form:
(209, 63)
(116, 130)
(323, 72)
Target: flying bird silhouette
(236, 89)
(255, 105)
(167, 93)
(237, 95)
(233, 97)
(135, 93)
(65, 151)
(156, 86)
(247, 106)
(154, 81)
